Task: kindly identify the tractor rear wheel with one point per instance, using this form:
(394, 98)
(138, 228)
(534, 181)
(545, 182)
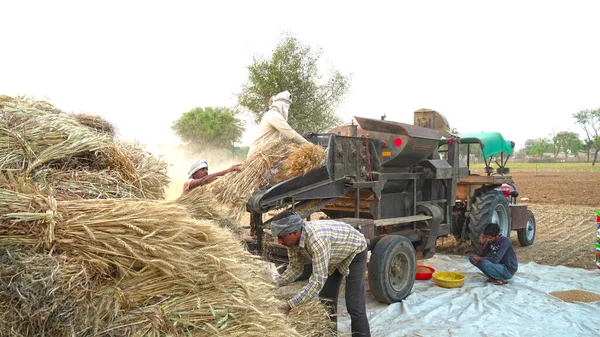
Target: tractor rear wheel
(489, 207)
(527, 234)
(392, 269)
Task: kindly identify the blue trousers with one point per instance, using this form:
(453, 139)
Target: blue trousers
(495, 271)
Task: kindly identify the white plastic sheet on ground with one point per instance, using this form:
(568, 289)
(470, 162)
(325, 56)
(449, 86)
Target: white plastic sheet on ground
(523, 307)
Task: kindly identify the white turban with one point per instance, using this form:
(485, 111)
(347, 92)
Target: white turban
(281, 102)
(200, 164)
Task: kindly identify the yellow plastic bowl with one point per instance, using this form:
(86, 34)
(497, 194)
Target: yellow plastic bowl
(448, 279)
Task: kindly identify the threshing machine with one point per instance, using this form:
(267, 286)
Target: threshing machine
(403, 186)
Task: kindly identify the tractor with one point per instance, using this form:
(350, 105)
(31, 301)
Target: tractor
(402, 186)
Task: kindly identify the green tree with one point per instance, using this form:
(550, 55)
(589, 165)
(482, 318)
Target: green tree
(577, 146)
(590, 123)
(538, 147)
(554, 144)
(586, 147)
(564, 141)
(294, 67)
(209, 127)
(529, 144)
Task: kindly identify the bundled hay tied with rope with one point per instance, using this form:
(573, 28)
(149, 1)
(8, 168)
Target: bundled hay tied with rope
(164, 272)
(124, 233)
(301, 160)
(234, 189)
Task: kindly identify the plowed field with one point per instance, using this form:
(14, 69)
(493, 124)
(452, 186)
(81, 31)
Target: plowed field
(565, 236)
(559, 188)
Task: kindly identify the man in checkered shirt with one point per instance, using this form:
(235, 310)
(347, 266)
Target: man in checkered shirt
(336, 250)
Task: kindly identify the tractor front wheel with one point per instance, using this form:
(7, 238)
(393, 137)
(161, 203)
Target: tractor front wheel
(489, 207)
(392, 269)
(527, 234)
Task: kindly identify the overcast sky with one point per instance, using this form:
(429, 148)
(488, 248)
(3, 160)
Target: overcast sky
(518, 67)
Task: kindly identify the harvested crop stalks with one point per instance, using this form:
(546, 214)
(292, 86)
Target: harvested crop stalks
(161, 272)
(46, 293)
(301, 160)
(234, 189)
(36, 139)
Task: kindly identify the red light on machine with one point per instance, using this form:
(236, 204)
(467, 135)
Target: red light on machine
(398, 142)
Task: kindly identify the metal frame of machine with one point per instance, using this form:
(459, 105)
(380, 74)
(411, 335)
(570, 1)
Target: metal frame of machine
(391, 184)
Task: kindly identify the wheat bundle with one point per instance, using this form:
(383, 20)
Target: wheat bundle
(122, 267)
(82, 184)
(168, 274)
(205, 206)
(301, 160)
(96, 122)
(310, 318)
(236, 303)
(26, 105)
(46, 293)
(234, 189)
(125, 233)
(35, 137)
(151, 171)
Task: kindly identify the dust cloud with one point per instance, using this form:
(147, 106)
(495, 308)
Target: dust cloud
(180, 159)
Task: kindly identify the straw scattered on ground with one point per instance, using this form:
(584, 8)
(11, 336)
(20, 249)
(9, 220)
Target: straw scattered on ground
(576, 296)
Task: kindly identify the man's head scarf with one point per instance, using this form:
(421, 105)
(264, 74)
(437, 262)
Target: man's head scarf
(200, 164)
(287, 225)
(281, 102)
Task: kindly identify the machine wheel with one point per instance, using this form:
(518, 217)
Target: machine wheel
(527, 234)
(491, 206)
(305, 274)
(392, 269)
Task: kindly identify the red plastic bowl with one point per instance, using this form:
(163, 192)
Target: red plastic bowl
(424, 272)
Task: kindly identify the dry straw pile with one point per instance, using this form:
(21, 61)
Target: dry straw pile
(77, 261)
(74, 156)
(129, 267)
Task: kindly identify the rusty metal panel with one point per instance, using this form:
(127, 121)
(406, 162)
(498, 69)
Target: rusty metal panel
(518, 214)
(462, 192)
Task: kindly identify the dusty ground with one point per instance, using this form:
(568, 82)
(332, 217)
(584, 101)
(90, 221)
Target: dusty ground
(565, 236)
(564, 205)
